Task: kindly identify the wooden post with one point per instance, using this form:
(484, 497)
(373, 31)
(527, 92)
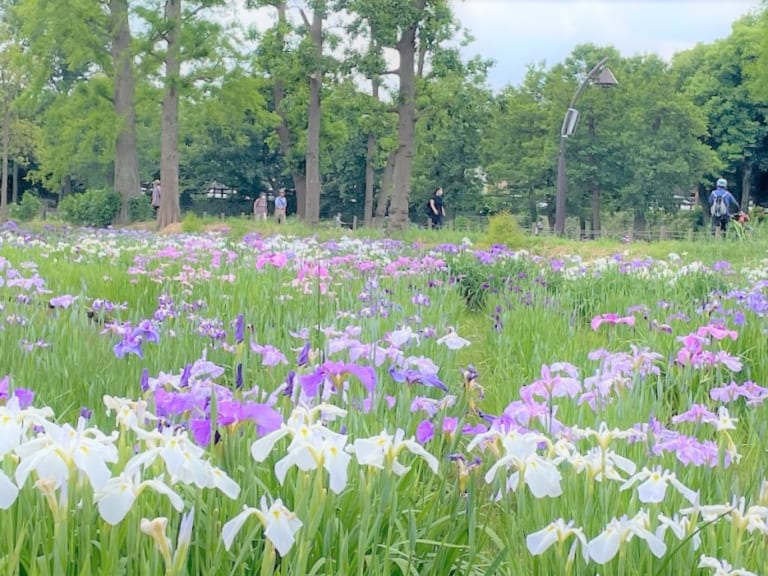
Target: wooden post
(354, 222)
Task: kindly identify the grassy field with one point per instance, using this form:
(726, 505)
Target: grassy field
(240, 400)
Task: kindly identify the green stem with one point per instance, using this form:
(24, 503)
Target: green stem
(268, 559)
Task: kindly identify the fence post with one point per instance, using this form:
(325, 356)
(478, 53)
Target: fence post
(354, 222)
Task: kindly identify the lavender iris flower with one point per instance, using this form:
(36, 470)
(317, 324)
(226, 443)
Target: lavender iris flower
(64, 301)
(411, 377)
(129, 345)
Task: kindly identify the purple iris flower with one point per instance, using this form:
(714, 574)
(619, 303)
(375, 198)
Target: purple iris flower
(336, 371)
(270, 356)
(450, 423)
(5, 384)
(303, 358)
(266, 418)
(240, 328)
(144, 380)
(129, 345)
(201, 431)
(146, 332)
(64, 301)
(425, 431)
(85, 413)
(239, 375)
(184, 380)
(474, 430)
(25, 396)
(412, 377)
(290, 381)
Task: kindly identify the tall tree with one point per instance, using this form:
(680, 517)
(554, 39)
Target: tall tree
(95, 39)
(455, 109)
(662, 140)
(126, 176)
(170, 210)
(314, 36)
(518, 146)
(414, 29)
(196, 41)
(12, 79)
(714, 78)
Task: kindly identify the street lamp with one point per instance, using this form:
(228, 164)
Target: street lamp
(604, 78)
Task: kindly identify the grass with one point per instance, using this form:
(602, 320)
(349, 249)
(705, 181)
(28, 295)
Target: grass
(534, 313)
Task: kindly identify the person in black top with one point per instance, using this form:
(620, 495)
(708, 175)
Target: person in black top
(436, 208)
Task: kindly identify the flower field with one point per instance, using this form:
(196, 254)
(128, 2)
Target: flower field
(208, 405)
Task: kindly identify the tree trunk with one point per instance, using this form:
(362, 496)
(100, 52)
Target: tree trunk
(406, 129)
(370, 175)
(66, 187)
(370, 157)
(15, 190)
(126, 177)
(312, 159)
(638, 226)
(5, 153)
(386, 186)
(170, 211)
(283, 134)
(746, 185)
(595, 198)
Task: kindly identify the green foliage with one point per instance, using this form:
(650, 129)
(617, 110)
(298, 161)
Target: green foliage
(662, 132)
(28, 209)
(140, 209)
(216, 207)
(504, 229)
(191, 223)
(96, 208)
(476, 279)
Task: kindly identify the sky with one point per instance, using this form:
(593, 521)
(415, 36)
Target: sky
(516, 33)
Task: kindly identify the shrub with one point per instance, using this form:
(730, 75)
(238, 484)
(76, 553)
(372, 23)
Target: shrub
(140, 209)
(28, 209)
(476, 279)
(504, 229)
(97, 208)
(215, 207)
(191, 223)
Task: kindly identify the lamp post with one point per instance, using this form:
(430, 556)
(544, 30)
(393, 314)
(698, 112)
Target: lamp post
(604, 78)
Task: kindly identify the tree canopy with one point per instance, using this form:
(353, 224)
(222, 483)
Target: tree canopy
(364, 107)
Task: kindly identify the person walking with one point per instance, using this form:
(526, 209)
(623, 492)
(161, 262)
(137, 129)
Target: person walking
(260, 208)
(281, 206)
(720, 203)
(156, 196)
(436, 208)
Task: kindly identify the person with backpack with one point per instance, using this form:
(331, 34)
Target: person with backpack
(720, 202)
(436, 208)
